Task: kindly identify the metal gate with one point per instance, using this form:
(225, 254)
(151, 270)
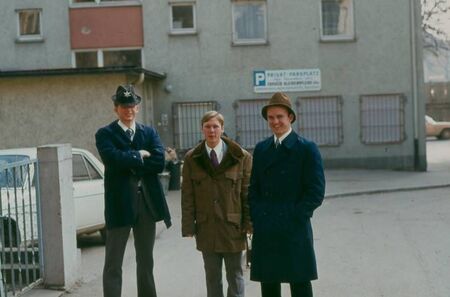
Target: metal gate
(20, 240)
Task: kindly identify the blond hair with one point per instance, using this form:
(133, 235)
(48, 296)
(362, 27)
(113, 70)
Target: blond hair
(213, 114)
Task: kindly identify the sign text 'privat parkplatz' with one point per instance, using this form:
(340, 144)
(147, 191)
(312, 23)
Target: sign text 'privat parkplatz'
(289, 80)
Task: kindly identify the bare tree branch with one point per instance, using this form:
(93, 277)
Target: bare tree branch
(432, 13)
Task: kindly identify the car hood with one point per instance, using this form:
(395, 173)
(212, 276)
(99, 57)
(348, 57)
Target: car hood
(442, 124)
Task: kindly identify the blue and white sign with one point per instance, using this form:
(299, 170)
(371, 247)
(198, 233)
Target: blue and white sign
(290, 80)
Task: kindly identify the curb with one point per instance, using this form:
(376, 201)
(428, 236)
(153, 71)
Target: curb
(379, 191)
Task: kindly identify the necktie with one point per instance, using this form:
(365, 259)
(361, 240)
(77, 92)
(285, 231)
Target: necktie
(277, 143)
(129, 133)
(214, 160)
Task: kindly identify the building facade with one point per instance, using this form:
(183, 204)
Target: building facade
(352, 68)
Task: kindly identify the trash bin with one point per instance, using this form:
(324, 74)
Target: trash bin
(164, 177)
(174, 168)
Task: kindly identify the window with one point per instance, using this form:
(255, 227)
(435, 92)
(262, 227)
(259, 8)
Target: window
(320, 119)
(29, 25)
(86, 59)
(79, 170)
(187, 122)
(13, 175)
(382, 119)
(182, 18)
(105, 58)
(93, 173)
(250, 125)
(103, 1)
(249, 22)
(122, 58)
(82, 169)
(337, 20)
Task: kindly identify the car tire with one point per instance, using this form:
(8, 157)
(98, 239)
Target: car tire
(445, 134)
(103, 234)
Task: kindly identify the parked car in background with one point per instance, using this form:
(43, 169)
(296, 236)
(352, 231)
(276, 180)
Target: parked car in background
(440, 130)
(18, 208)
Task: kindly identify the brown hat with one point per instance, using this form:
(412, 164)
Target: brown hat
(279, 99)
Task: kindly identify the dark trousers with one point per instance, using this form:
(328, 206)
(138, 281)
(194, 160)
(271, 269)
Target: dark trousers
(302, 289)
(116, 241)
(234, 273)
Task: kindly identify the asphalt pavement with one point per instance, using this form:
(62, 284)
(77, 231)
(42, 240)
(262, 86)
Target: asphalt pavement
(355, 185)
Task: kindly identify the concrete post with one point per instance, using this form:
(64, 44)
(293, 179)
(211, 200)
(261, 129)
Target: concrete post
(60, 255)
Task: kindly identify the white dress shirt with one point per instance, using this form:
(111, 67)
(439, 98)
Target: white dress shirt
(282, 136)
(125, 127)
(220, 150)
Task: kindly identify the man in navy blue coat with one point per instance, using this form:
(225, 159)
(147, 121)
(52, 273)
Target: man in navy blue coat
(134, 199)
(286, 186)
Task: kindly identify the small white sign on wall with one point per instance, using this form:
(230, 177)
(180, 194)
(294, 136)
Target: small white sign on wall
(290, 80)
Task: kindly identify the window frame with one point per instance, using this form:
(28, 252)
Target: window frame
(183, 31)
(29, 37)
(253, 41)
(350, 36)
(100, 59)
(106, 3)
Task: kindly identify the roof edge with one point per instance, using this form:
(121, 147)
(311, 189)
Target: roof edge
(82, 71)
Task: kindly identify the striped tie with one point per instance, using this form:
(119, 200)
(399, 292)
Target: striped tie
(130, 133)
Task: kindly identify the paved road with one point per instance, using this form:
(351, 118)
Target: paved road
(438, 154)
(393, 244)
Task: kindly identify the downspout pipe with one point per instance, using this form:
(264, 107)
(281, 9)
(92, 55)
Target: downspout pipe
(414, 82)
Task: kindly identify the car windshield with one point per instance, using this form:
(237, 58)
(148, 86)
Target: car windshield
(12, 176)
(430, 120)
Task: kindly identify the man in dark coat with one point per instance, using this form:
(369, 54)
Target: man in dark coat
(287, 184)
(134, 199)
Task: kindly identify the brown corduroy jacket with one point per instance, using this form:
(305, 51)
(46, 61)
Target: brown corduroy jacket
(214, 200)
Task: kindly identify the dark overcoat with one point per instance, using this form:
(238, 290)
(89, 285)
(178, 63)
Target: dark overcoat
(214, 200)
(287, 184)
(125, 170)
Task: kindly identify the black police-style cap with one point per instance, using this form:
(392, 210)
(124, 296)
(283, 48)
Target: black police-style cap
(125, 95)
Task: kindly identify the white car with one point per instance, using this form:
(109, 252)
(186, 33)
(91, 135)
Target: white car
(18, 198)
(439, 129)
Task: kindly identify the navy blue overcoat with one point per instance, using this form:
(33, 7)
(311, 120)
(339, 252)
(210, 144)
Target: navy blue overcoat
(124, 170)
(286, 186)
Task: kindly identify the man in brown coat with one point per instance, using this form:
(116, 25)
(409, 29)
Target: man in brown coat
(214, 204)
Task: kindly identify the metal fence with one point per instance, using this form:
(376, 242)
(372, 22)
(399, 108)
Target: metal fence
(20, 244)
(186, 122)
(250, 125)
(320, 119)
(382, 118)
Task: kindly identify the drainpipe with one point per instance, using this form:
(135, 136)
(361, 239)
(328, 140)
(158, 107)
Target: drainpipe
(139, 80)
(414, 83)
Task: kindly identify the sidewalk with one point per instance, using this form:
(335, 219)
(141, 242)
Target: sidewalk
(341, 183)
(356, 182)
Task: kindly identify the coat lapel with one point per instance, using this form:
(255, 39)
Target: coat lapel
(138, 138)
(231, 157)
(276, 155)
(118, 131)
